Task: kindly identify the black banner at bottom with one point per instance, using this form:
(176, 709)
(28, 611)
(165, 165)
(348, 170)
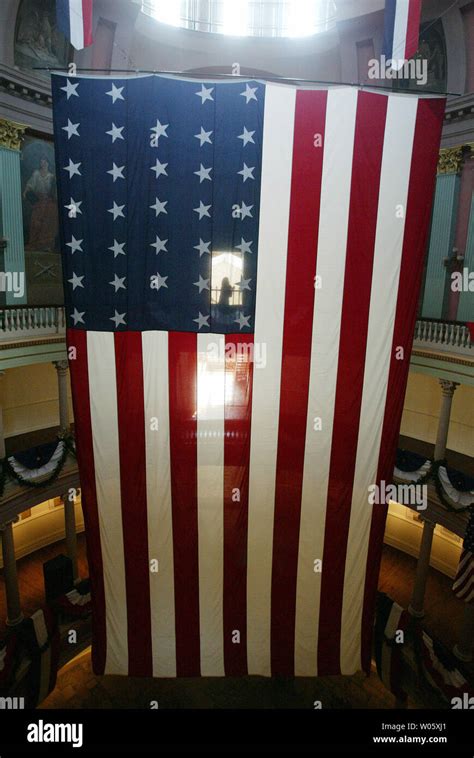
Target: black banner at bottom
(416, 732)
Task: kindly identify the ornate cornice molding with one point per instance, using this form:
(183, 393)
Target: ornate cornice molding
(11, 134)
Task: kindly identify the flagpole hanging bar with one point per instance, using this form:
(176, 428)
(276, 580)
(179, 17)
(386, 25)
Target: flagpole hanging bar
(285, 79)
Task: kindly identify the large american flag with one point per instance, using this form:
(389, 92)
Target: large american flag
(241, 264)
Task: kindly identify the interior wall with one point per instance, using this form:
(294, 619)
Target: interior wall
(421, 412)
(29, 398)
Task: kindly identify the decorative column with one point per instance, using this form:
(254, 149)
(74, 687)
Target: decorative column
(422, 568)
(14, 614)
(463, 649)
(443, 227)
(62, 369)
(11, 135)
(444, 416)
(2, 432)
(71, 535)
(466, 298)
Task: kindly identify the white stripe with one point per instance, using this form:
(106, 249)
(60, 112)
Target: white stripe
(330, 266)
(272, 250)
(39, 624)
(41, 632)
(394, 182)
(400, 34)
(210, 493)
(105, 442)
(393, 621)
(76, 24)
(159, 512)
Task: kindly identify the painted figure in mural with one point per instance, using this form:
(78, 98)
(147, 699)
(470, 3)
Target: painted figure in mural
(40, 191)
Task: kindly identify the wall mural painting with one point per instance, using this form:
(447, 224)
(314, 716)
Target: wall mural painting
(38, 42)
(40, 221)
(38, 184)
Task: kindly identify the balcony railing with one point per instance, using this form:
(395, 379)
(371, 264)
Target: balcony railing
(443, 336)
(27, 322)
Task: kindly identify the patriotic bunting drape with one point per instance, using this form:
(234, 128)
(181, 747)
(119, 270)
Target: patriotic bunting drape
(241, 266)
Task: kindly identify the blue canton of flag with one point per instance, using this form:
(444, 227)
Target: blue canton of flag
(160, 229)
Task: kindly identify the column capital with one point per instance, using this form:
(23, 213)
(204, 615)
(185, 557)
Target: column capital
(448, 387)
(61, 365)
(11, 134)
(451, 159)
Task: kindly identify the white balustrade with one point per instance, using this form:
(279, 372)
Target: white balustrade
(31, 321)
(443, 336)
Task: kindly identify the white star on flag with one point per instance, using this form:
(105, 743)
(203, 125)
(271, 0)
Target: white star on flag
(118, 318)
(247, 172)
(203, 247)
(117, 248)
(159, 169)
(75, 244)
(244, 246)
(242, 320)
(158, 281)
(116, 172)
(71, 129)
(159, 245)
(76, 281)
(203, 284)
(77, 317)
(116, 132)
(244, 284)
(159, 129)
(74, 208)
(117, 210)
(245, 211)
(203, 137)
(249, 93)
(204, 173)
(205, 93)
(203, 210)
(72, 168)
(70, 89)
(159, 206)
(115, 93)
(201, 320)
(246, 136)
(118, 282)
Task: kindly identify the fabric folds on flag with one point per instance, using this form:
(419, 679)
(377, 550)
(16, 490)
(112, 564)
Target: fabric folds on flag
(74, 19)
(241, 265)
(401, 30)
(463, 585)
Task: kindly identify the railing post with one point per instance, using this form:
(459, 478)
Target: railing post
(422, 567)
(14, 614)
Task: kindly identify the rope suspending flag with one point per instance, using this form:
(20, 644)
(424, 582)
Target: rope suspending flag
(241, 264)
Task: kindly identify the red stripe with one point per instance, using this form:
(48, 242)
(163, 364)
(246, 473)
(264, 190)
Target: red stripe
(78, 367)
(87, 21)
(238, 410)
(310, 115)
(413, 28)
(366, 166)
(182, 353)
(131, 428)
(419, 201)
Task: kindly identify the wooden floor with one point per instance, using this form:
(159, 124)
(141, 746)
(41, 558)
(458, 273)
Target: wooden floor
(78, 687)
